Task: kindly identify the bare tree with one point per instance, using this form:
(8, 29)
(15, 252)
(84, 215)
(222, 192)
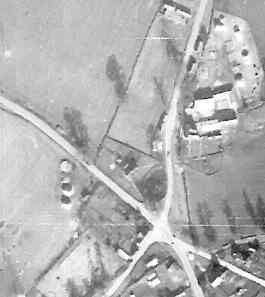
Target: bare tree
(231, 219)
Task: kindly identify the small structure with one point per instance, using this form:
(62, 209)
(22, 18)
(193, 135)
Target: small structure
(127, 163)
(153, 280)
(66, 202)
(66, 166)
(67, 189)
(152, 263)
(123, 255)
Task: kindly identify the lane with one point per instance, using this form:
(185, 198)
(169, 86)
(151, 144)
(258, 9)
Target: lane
(172, 120)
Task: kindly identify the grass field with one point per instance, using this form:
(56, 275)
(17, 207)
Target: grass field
(34, 226)
(87, 269)
(53, 54)
(35, 231)
(252, 11)
(151, 86)
(232, 200)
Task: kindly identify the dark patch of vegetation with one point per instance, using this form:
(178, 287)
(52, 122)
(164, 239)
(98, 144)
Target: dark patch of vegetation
(172, 51)
(72, 289)
(115, 73)
(194, 235)
(128, 162)
(98, 278)
(260, 207)
(263, 63)
(99, 274)
(205, 215)
(76, 130)
(249, 207)
(160, 90)
(154, 186)
(2, 224)
(214, 269)
(231, 218)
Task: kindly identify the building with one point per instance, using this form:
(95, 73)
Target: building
(213, 113)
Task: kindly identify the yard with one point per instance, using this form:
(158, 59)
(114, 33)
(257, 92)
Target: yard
(252, 11)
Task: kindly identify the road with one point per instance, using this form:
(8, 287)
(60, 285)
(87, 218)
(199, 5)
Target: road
(161, 230)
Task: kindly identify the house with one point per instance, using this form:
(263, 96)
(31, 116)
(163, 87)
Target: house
(213, 112)
(178, 6)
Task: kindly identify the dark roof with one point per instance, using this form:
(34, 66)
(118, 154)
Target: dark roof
(203, 93)
(191, 61)
(65, 199)
(183, 8)
(223, 88)
(197, 43)
(226, 114)
(188, 125)
(212, 133)
(221, 115)
(170, 3)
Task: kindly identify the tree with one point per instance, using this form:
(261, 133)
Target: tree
(249, 207)
(76, 130)
(153, 187)
(260, 208)
(115, 74)
(231, 219)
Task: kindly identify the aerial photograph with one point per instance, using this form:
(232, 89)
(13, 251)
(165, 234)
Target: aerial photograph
(132, 143)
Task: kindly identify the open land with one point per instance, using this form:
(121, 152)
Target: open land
(54, 55)
(232, 198)
(152, 84)
(36, 231)
(34, 227)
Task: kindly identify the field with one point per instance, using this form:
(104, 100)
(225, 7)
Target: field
(87, 269)
(151, 86)
(252, 11)
(231, 202)
(53, 54)
(36, 232)
(34, 227)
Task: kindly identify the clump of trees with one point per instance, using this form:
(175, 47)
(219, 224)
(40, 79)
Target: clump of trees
(115, 73)
(76, 130)
(153, 187)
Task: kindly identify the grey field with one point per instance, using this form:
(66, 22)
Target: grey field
(132, 148)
